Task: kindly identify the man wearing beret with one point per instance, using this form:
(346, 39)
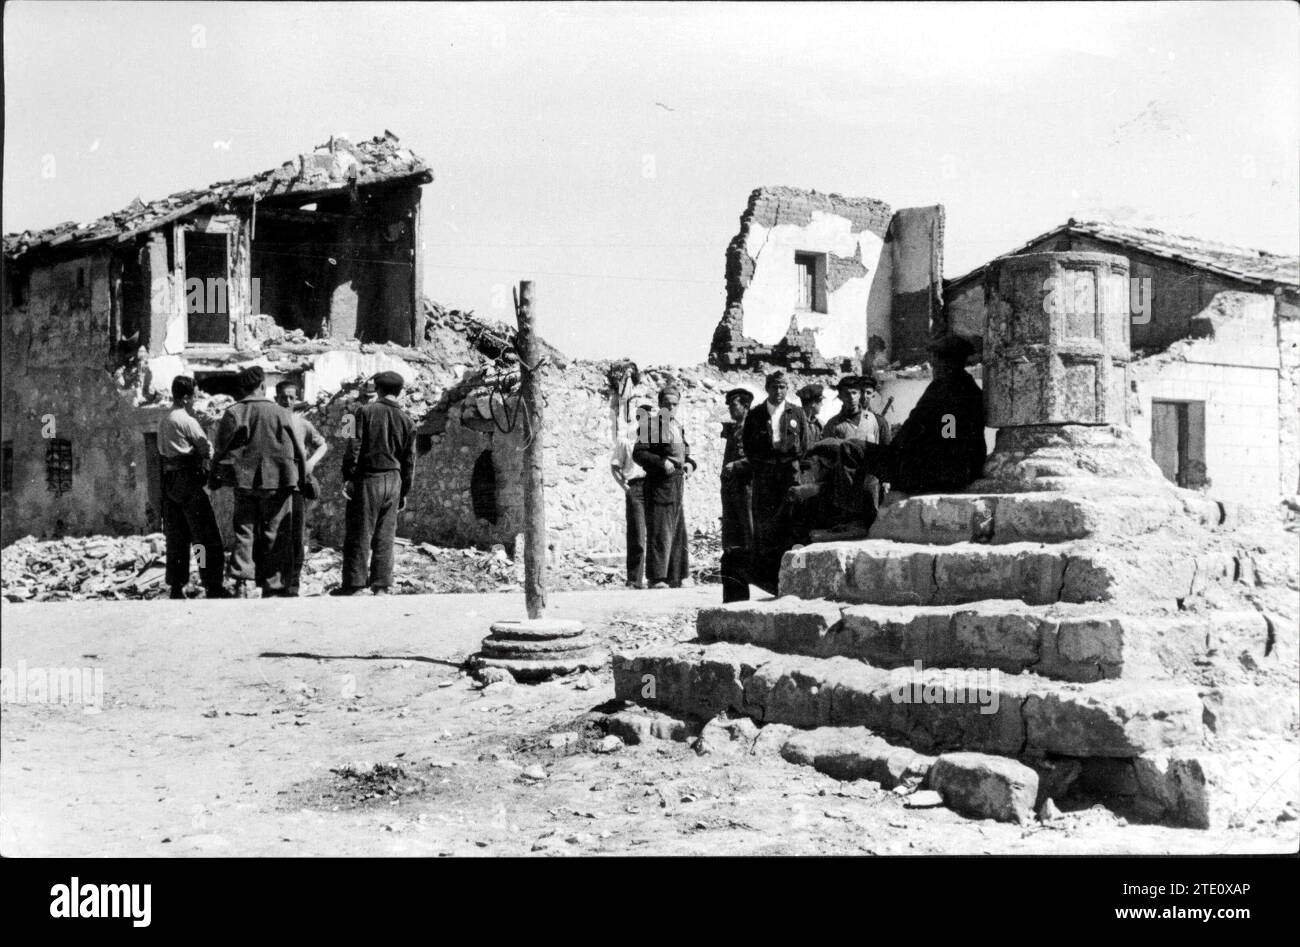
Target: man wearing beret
(378, 465)
(737, 515)
(259, 447)
(666, 459)
(775, 436)
(939, 448)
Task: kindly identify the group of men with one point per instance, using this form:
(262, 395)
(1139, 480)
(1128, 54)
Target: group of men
(266, 452)
(785, 475)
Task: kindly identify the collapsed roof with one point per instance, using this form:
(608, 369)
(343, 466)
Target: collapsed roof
(334, 167)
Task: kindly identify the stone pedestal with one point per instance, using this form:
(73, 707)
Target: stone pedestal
(1056, 344)
(1056, 370)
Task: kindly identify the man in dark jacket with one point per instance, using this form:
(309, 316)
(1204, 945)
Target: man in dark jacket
(737, 514)
(940, 447)
(776, 435)
(666, 458)
(378, 466)
(258, 448)
(854, 422)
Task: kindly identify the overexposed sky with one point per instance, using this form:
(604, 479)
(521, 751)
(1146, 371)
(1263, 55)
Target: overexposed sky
(607, 150)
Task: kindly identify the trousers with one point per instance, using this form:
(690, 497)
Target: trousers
(188, 521)
(263, 537)
(370, 528)
(636, 530)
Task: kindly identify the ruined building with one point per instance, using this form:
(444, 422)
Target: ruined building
(1215, 385)
(819, 282)
(98, 318)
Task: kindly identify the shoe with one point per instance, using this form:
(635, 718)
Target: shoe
(178, 592)
(241, 588)
(380, 590)
(218, 592)
(636, 585)
(345, 590)
(659, 585)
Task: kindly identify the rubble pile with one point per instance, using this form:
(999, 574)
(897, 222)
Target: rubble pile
(108, 567)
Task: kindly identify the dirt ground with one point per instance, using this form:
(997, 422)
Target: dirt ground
(319, 726)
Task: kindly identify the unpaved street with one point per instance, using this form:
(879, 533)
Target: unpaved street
(345, 727)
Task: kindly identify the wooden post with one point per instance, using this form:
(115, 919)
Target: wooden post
(534, 507)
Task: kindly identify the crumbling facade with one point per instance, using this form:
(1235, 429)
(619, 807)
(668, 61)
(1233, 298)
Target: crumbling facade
(320, 253)
(1214, 387)
(821, 283)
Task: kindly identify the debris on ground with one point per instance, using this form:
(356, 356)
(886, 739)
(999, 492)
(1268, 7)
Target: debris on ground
(133, 567)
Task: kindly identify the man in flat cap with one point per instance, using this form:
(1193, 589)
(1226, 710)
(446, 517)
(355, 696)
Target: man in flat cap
(666, 459)
(737, 515)
(259, 447)
(939, 448)
(378, 466)
(630, 477)
(775, 436)
(857, 422)
(811, 398)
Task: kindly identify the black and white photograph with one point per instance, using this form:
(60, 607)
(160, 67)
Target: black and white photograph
(865, 431)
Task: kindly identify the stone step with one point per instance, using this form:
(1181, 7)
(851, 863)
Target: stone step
(889, 573)
(934, 711)
(1082, 643)
(1042, 517)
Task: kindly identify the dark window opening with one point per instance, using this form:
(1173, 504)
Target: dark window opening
(811, 270)
(218, 383)
(207, 304)
(1178, 441)
(483, 488)
(293, 273)
(7, 466)
(153, 480)
(17, 287)
(58, 466)
(81, 277)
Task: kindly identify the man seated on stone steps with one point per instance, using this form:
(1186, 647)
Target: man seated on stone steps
(939, 449)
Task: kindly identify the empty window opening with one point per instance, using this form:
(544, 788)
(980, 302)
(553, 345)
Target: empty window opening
(207, 304)
(1178, 441)
(7, 466)
(18, 287)
(811, 270)
(58, 466)
(218, 383)
(295, 265)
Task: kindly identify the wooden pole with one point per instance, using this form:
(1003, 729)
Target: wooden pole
(530, 390)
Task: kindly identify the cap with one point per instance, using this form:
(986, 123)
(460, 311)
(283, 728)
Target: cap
(742, 394)
(810, 393)
(774, 376)
(390, 380)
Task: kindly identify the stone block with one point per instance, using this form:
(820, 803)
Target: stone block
(986, 787)
(787, 624)
(1111, 718)
(848, 753)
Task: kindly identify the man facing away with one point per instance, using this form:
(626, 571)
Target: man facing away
(630, 477)
(286, 396)
(256, 441)
(775, 436)
(378, 465)
(737, 516)
(187, 514)
(666, 459)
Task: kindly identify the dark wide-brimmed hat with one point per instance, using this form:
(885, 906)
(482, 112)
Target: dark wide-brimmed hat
(741, 394)
(952, 348)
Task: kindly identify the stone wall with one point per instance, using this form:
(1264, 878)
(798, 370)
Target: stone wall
(1288, 400)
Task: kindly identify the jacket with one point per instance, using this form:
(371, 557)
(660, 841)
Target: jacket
(257, 447)
(795, 439)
